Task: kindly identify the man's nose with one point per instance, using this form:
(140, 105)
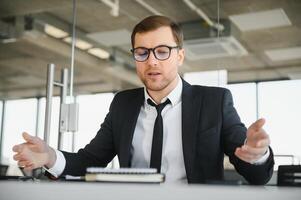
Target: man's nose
(152, 60)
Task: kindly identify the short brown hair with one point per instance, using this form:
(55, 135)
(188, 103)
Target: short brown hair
(154, 22)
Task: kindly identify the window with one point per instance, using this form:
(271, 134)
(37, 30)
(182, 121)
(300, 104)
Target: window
(92, 112)
(279, 103)
(20, 116)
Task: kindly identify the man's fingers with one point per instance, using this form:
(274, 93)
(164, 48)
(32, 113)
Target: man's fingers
(263, 142)
(247, 157)
(241, 155)
(245, 154)
(257, 138)
(29, 138)
(29, 168)
(254, 151)
(258, 134)
(24, 163)
(258, 124)
(18, 148)
(30, 141)
(17, 157)
(257, 143)
(21, 156)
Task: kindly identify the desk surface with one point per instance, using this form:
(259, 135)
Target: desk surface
(85, 191)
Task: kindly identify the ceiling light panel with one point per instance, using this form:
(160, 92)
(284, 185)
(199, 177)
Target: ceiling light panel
(55, 32)
(261, 20)
(100, 53)
(81, 44)
(284, 54)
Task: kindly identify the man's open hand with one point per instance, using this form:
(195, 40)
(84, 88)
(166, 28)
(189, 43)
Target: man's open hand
(256, 145)
(34, 153)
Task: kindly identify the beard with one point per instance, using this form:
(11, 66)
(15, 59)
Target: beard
(158, 85)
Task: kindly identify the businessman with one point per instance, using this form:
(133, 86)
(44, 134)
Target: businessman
(179, 129)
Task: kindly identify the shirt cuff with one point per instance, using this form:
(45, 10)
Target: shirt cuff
(263, 159)
(58, 166)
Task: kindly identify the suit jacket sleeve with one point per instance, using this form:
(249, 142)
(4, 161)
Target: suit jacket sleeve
(234, 134)
(98, 153)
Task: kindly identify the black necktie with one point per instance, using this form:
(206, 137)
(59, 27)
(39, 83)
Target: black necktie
(156, 154)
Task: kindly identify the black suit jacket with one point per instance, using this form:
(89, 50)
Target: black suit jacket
(210, 128)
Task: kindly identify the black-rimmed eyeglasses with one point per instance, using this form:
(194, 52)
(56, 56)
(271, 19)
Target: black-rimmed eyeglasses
(161, 52)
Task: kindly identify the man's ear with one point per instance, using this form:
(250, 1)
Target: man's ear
(181, 56)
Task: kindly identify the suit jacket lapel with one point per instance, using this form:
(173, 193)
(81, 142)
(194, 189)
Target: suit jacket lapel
(191, 103)
(132, 112)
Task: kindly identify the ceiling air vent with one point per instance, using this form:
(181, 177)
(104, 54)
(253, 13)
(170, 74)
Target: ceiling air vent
(207, 48)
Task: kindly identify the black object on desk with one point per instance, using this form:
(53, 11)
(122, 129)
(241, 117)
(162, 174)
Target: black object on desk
(224, 182)
(17, 178)
(289, 175)
(3, 169)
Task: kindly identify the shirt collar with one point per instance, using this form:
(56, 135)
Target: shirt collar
(174, 96)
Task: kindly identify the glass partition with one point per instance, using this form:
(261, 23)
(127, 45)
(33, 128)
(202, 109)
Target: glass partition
(279, 103)
(20, 116)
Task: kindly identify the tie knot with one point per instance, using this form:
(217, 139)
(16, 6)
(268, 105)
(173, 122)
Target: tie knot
(160, 106)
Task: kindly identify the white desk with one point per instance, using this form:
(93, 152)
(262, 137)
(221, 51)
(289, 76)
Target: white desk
(14, 190)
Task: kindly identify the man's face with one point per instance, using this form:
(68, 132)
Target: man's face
(158, 75)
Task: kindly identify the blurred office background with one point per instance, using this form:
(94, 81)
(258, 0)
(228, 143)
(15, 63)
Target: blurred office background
(257, 55)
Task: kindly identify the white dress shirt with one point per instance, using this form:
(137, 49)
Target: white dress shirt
(172, 151)
(172, 164)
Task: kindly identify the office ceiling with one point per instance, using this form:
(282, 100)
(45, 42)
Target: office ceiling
(266, 52)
